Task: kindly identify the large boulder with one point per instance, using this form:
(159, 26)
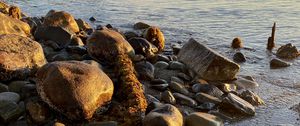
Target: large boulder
(9, 25)
(61, 19)
(74, 88)
(19, 57)
(209, 64)
(106, 44)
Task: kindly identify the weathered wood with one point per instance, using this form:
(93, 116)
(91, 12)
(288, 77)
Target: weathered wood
(271, 40)
(207, 63)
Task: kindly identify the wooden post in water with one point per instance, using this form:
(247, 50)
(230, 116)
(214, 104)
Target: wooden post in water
(271, 40)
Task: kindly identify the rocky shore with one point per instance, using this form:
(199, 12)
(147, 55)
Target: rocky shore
(57, 70)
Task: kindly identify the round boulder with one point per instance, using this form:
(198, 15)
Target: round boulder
(74, 88)
(106, 44)
(19, 57)
(61, 19)
(9, 25)
(237, 43)
(156, 37)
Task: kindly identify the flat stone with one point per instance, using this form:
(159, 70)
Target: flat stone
(235, 103)
(178, 88)
(168, 97)
(175, 65)
(3, 88)
(184, 100)
(165, 74)
(10, 96)
(165, 115)
(160, 87)
(206, 106)
(208, 89)
(203, 119)
(252, 98)
(9, 111)
(184, 76)
(203, 97)
(277, 63)
(176, 79)
(151, 99)
(158, 81)
(161, 65)
(209, 64)
(161, 57)
(16, 86)
(243, 83)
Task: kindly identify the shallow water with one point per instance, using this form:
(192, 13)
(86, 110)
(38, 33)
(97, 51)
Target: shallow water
(215, 24)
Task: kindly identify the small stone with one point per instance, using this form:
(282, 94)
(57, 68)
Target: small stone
(142, 46)
(28, 90)
(243, 83)
(184, 76)
(83, 26)
(159, 84)
(92, 19)
(10, 96)
(165, 74)
(208, 89)
(107, 123)
(161, 65)
(203, 119)
(145, 70)
(206, 106)
(168, 97)
(176, 79)
(277, 63)
(151, 99)
(138, 58)
(227, 87)
(178, 88)
(165, 115)
(3, 88)
(175, 65)
(239, 57)
(249, 78)
(140, 25)
(287, 51)
(203, 98)
(234, 103)
(16, 86)
(38, 112)
(252, 98)
(153, 105)
(9, 111)
(81, 50)
(184, 100)
(176, 48)
(237, 43)
(161, 57)
(158, 81)
(76, 41)
(130, 34)
(58, 124)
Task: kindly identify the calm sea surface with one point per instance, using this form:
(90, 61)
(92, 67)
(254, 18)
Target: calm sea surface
(215, 23)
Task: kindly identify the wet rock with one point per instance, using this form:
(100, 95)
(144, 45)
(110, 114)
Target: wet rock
(161, 65)
(209, 64)
(145, 70)
(81, 50)
(61, 56)
(28, 90)
(130, 34)
(59, 35)
(239, 57)
(178, 80)
(3, 88)
(236, 104)
(175, 65)
(38, 112)
(249, 78)
(287, 51)
(9, 25)
(138, 58)
(203, 98)
(92, 19)
(277, 63)
(237, 43)
(9, 111)
(156, 37)
(176, 48)
(142, 46)
(76, 89)
(161, 57)
(243, 83)
(83, 26)
(159, 84)
(9, 96)
(140, 25)
(184, 100)
(208, 89)
(165, 115)
(106, 44)
(76, 41)
(61, 19)
(16, 86)
(203, 119)
(165, 74)
(151, 99)
(177, 87)
(252, 98)
(107, 123)
(168, 97)
(153, 105)
(184, 76)
(227, 87)
(206, 106)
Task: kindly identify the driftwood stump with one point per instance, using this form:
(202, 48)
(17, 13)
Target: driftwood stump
(271, 40)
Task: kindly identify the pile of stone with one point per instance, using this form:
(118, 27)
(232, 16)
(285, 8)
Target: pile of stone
(58, 70)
